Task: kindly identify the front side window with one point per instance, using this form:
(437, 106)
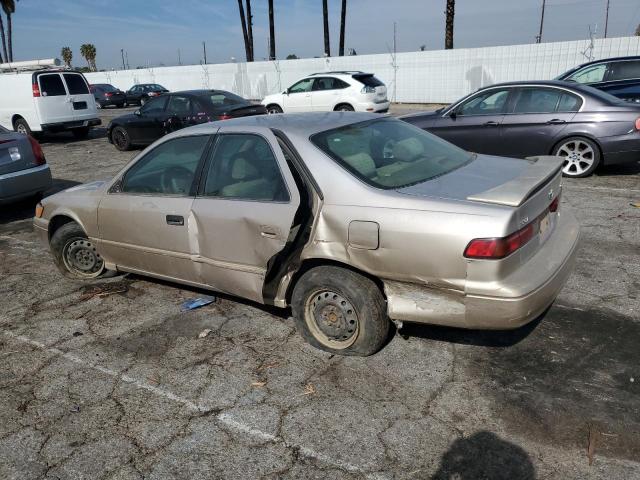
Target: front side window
(244, 167)
(590, 74)
(302, 86)
(388, 153)
(168, 169)
(51, 85)
(75, 84)
(154, 106)
(179, 105)
(536, 100)
(491, 102)
(624, 70)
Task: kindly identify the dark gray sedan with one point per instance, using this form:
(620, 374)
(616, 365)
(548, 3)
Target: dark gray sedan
(23, 168)
(585, 126)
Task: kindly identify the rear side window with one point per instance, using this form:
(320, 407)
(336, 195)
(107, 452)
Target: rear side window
(76, 84)
(51, 85)
(624, 70)
(569, 103)
(537, 100)
(369, 80)
(328, 83)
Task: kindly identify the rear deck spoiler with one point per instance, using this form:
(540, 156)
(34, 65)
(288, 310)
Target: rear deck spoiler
(517, 191)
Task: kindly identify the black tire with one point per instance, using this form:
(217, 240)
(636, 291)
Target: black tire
(274, 109)
(80, 133)
(348, 305)
(587, 159)
(344, 107)
(21, 126)
(99, 106)
(120, 138)
(71, 248)
(120, 105)
(143, 100)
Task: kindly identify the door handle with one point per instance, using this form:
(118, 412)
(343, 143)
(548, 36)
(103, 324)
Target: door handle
(177, 220)
(268, 231)
(556, 121)
(491, 124)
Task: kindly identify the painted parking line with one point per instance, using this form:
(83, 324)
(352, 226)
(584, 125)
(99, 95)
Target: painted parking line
(600, 189)
(225, 419)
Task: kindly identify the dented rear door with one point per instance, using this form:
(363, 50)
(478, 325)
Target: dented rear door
(244, 212)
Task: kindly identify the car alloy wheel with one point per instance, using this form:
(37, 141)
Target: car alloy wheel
(332, 319)
(579, 157)
(119, 138)
(21, 128)
(273, 110)
(81, 258)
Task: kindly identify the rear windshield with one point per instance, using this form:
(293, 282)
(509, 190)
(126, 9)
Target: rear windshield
(76, 84)
(51, 85)
(223, 98)
(153, 88)
(106, 87)
(388, 153)
(368, 79)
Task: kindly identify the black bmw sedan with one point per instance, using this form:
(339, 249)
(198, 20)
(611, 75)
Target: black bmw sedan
(173, 111)
(585, 126)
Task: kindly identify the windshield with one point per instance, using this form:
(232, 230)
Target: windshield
(388, 153)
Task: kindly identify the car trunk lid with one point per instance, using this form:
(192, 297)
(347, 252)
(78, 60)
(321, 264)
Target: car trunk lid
(15, 153)
(245, 110)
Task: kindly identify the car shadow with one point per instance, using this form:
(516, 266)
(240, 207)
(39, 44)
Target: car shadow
(620, 169)
(485, 455)
(67, 137)
(24, 209)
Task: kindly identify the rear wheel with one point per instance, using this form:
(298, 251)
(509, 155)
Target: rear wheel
(75, 255)
(340, 311)
(581, 156)
(98, 105)
(274, 109)
(80, 133)
(143, 100)
(21, 126)
(120, 138)
(344, 107)
(120, 105)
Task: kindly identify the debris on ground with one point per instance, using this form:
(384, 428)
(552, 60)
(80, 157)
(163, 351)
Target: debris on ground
(258, 384)
(103, 290)
(75, 409)
(309, 389)
(204, 333)
(266, 367)
(194, 303)
(591, 445)
(635, 204)
(77, 334)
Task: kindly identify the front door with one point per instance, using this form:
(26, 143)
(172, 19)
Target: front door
(474, 124)
(244, 211)
(150, 123)
(536, 119)
(298, 97)
(54, 104)
(144, 219)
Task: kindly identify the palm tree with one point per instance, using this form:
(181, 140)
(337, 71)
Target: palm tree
(343, 17)
(4, 42)
(448, 34)
(272, 33)
(250, 28)
(88, 51)
(67, 56)
(9, 8)
(243, 21)
(325, 17)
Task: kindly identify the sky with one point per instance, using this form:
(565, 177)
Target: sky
(153, 31)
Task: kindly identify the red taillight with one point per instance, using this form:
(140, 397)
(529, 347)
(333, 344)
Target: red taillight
(496, 248)
(225, 117)
(108, 94)
(638, 124)
(553, 207)
(37, 151)
(35, 89)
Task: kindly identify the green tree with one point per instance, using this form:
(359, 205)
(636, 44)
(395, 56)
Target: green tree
(292, 56)
(88, 51)
(450, 14)
(67, 56)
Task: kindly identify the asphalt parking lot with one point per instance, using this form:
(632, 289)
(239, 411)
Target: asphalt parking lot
(111, 381)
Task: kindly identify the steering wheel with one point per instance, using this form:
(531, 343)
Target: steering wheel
(176, 180)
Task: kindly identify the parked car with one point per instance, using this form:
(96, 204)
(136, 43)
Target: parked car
(141, 94)
(585, 126)
(352, 219)
(47, 100)
(107, 95)
(174, 111)
(618, 76)
(23, 167)
(329, 91)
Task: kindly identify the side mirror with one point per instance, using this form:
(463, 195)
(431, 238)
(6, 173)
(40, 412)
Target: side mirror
(453, 114)
(137, 112)
(286, 92)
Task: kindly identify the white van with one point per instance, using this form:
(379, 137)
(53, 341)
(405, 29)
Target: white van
(47, 100)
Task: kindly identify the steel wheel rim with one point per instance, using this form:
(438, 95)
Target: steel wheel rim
(81, 258)
(273, 111)
(119, 138)
(578, 157)
(98, 106)
(21, 128)
(332, 319)
(143, 101)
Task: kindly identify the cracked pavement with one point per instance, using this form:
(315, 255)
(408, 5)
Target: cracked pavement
(120, 386)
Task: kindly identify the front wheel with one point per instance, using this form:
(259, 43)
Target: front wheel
(21, 126)
(581, 156)
(274, 109)
(340, 311)
(75, 255)
(143, 100)
(120, 138)
(345, 107)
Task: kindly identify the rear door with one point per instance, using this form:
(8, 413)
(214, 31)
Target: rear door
(150, 124)
(82, 101)
(53, 105)
(474, 124)
(536, 118)
(326, 92)
(180, 113)
(244, 211)
(298, 97)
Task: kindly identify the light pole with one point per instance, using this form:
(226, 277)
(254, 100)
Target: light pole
(122, 54)
(539, 37)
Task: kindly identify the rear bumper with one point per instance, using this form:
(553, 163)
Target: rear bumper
(381, 107)
(612, 158)
(24, 183)
(57, 127)
(621, 149)
(528, 292)
(111, 101)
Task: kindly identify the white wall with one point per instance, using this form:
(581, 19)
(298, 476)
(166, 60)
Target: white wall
(420, 77)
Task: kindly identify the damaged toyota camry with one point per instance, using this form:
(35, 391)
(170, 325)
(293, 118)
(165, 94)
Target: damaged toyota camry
(351, 219)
